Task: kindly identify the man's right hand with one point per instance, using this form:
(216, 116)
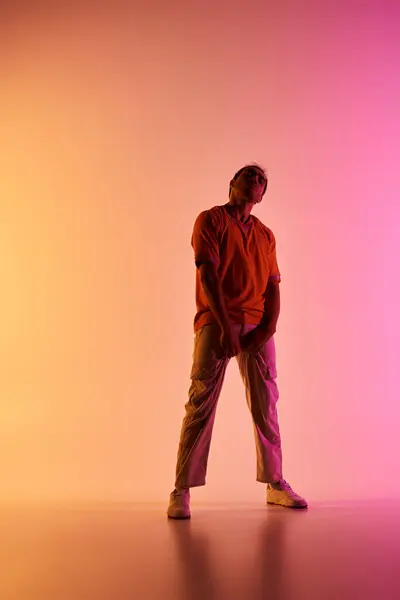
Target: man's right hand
(229, 341)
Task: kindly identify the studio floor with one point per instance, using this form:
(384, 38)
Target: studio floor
(225, 552)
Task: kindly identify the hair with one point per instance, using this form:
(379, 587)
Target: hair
(236, 175)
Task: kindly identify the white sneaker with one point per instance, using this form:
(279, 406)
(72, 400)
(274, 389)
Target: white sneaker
(179, 504)
(281, 493)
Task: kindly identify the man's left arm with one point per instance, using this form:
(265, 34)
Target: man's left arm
(272, 308)
(256, 338)
(272, 299)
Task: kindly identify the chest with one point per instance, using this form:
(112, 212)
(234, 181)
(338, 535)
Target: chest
(245, 244)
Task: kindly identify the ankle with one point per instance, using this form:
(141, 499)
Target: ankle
(275, 484)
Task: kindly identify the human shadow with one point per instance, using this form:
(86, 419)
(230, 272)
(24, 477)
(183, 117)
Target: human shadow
(264, 566)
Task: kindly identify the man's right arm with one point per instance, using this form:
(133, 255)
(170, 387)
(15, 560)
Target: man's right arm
(205, 243)
(211, 284)
(213, 290)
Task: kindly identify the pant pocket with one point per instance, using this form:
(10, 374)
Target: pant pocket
(267, 358)
(207, 354)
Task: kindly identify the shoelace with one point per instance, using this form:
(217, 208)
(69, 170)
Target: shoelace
(285, 486)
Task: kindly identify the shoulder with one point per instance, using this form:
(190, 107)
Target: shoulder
(211, 218)
(265, 231)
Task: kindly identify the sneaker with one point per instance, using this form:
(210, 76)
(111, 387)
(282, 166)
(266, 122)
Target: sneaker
(179, 504)
(281, 493)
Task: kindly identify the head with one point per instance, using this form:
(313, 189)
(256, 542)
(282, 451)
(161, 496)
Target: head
(249, 184)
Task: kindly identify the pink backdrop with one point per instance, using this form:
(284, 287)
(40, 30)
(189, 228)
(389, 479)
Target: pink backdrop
(119, 125)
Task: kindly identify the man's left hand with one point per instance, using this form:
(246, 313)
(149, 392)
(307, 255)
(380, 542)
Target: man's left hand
(255, 339)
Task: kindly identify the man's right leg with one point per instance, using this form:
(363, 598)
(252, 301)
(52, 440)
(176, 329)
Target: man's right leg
(208, 372)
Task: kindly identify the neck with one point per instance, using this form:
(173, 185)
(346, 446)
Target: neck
(241, 210)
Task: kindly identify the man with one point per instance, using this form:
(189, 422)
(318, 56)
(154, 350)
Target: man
(238, 304)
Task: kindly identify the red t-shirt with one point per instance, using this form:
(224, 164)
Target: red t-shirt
(245, 257)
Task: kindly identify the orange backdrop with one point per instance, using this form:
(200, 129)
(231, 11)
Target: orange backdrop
(119, 125)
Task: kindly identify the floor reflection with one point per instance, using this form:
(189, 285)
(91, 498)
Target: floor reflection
(330, 552)
(246, 557)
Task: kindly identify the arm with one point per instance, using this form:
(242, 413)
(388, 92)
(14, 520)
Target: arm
(213, 290)
(255, 339)
(211, 283)
(258, 337)
(272, 308)
(205, 241)
(206, 245)
(272, 300)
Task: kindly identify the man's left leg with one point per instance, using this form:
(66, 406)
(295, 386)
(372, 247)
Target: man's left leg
(258, 371)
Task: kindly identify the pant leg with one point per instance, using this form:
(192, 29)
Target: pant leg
(208, 372)
(258, 371)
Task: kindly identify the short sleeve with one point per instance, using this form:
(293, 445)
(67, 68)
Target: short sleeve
(205, 240)
(274, 273)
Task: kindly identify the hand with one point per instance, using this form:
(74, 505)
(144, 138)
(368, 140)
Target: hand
(229, 341)
(255, 339)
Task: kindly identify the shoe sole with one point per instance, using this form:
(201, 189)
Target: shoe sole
(179, 518)
(287, 505)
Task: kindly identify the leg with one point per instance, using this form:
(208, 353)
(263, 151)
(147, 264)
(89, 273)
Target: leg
(258, 371)
(208, 372)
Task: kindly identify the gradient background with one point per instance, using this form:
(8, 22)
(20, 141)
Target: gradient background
(119, 125)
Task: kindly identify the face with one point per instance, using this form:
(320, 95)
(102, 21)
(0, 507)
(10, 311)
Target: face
(250, 184)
